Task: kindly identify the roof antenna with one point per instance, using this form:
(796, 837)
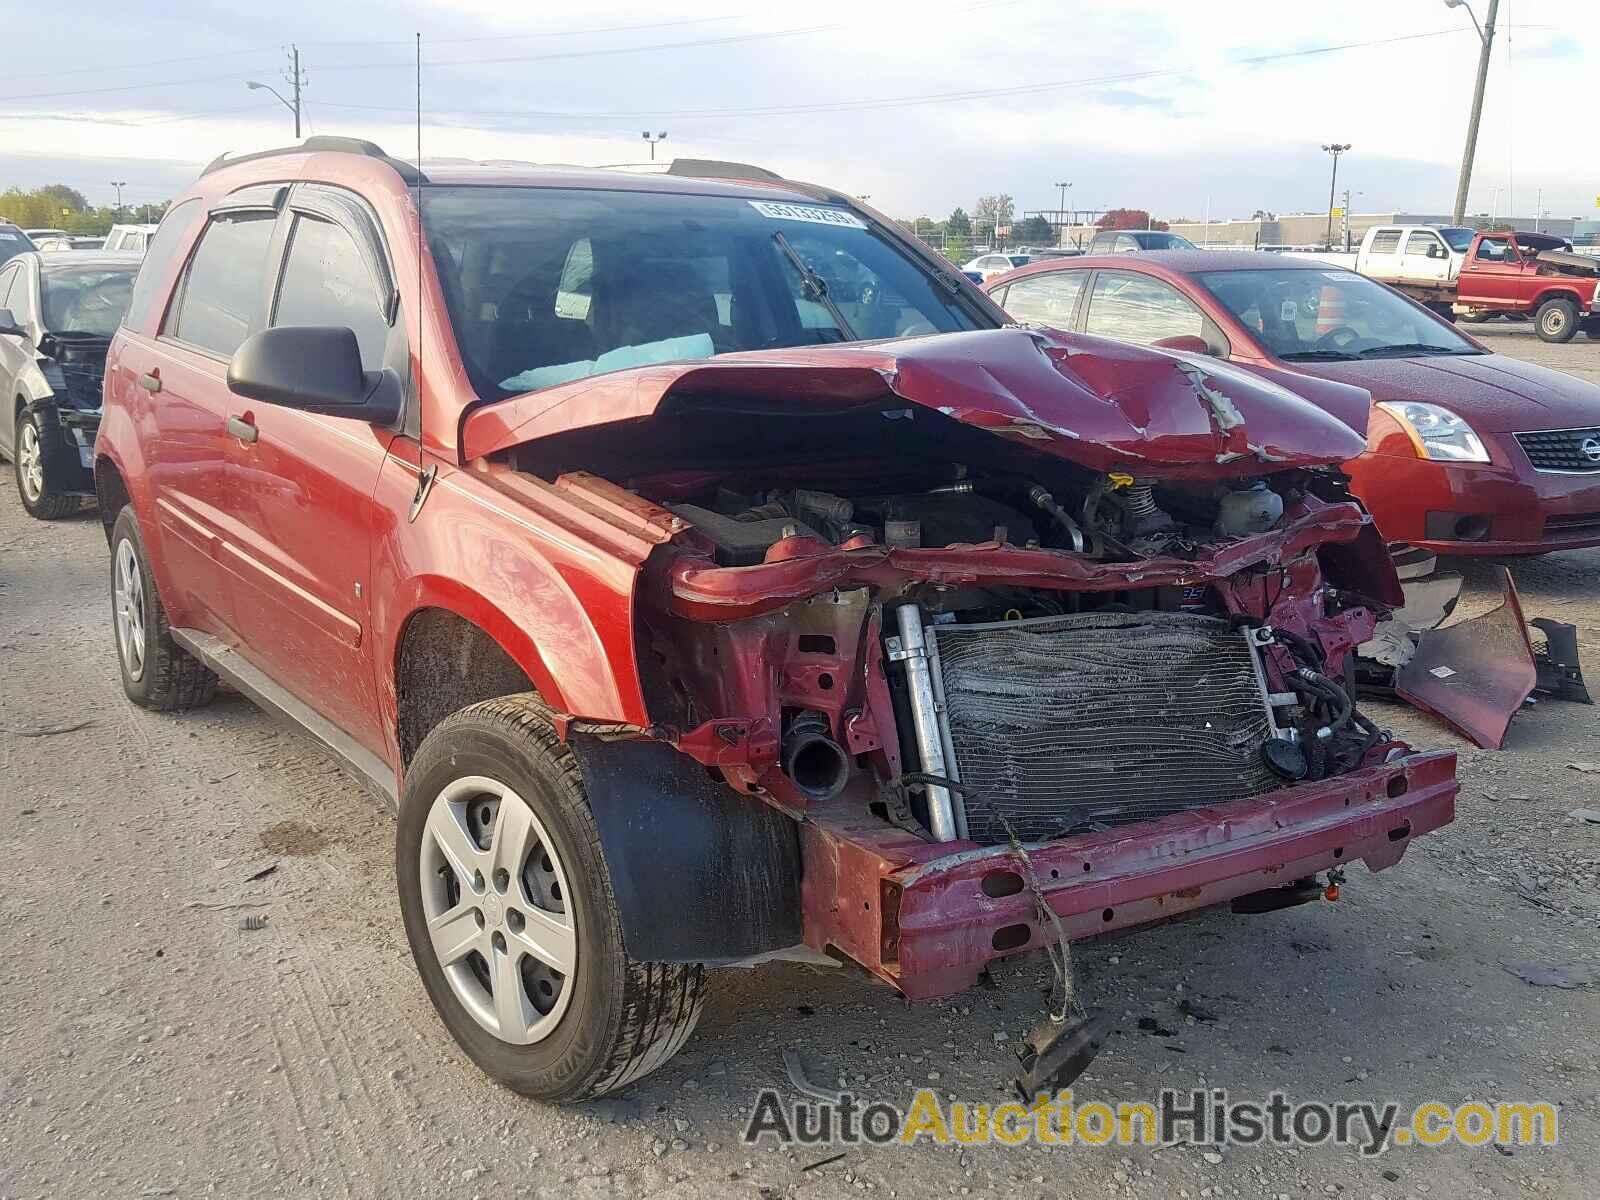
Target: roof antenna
(425, 474)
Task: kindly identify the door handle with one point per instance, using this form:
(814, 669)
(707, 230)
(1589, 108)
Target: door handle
(150, 382)
(242, 429)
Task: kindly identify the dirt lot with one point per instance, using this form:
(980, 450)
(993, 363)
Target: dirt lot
(150, 1046)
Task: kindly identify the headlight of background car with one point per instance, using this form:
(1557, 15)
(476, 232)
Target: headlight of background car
(1436, 432)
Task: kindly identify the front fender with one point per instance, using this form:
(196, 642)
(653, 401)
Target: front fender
(560, 604)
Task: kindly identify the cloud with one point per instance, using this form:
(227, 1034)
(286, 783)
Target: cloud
(1142, 98)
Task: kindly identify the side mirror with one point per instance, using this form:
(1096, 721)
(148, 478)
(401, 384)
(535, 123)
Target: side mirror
(1438, 251)
(9, 326)
(1184, 343)
(316, 369)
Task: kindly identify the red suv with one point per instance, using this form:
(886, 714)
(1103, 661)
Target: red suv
(707, 575)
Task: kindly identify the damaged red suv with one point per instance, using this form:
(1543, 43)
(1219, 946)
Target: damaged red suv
(707, 574)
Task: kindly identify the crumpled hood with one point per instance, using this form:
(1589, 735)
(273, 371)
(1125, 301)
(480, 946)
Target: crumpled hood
(1494, 393)
(1102, 404)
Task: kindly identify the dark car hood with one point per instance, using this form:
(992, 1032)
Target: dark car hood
(1103, 404)
(1494, 393)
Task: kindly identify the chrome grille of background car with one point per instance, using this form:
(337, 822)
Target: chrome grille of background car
(1065, 724)
(1561, 449)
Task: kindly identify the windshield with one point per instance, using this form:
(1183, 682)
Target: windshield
(1456, 238)
(85, 299)
(546, 285)
(1301, 315)
(13, 242)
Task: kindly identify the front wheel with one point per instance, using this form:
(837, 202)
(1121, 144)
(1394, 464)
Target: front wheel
(511, 916)
(38, 467)
(1556, 321)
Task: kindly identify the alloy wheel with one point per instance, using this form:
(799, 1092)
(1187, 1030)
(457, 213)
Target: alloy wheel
(128, 605)
(498, 909)
(30, 463)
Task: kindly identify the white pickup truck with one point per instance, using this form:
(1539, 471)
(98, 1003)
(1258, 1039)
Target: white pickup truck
(1422, 261)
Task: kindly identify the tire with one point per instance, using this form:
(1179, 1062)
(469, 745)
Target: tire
(38, 464)
(1592, 330)
(157, 673)
(1444, 309)
(1556, 320)
(481, 778)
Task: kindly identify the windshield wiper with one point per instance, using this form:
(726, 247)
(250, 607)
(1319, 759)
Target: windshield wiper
(815, 287)
(1403, 349)
(1318, 356)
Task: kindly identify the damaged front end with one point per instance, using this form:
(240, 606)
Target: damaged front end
(1035, 637)
(73, 366)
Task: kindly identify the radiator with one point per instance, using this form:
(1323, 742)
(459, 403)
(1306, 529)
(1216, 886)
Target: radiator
(1067, 724)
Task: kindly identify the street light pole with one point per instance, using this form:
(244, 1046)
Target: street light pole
(1486, 38)
(119, 184)
(660, 137)
(1335, 149)
(257, 86)
(1061, 214)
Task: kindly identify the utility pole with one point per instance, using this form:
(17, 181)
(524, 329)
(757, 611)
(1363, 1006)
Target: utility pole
(1335, 149)
(295, 80)
(1486, 38)
(294, 66)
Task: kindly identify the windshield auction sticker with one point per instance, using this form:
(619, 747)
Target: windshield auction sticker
(805, 212)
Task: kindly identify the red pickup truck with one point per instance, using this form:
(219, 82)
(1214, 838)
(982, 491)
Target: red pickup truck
(1531, 274)
(707, 574)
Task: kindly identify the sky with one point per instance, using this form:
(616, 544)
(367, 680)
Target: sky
(1189, 110)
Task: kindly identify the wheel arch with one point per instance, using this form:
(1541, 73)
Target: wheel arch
(1558, 293)
(445, 659)
(110, 491)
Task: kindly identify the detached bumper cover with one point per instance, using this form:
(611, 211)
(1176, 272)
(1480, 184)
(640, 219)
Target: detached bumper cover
(929, 927)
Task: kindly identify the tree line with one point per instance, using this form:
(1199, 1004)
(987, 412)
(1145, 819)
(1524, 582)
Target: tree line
(992, 224)
(57, 206)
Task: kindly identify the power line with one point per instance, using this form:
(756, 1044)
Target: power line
(549, 33)
(862, 105)
(149, 62)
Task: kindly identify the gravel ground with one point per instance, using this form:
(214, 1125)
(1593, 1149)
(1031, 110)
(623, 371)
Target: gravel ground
(150, 1046)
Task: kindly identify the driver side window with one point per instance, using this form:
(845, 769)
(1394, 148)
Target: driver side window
(1494, 250)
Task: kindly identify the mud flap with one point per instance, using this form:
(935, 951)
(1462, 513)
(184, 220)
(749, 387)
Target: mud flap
(700, 873)
(1474, 675)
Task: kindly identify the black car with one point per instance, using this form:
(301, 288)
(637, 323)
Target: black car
(1115, 241)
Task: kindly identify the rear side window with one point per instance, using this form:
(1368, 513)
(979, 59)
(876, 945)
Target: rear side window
(1135, 308)
(1047, 299)
(220, 301)
(326, 282)
(174, 232)
(1385, 241)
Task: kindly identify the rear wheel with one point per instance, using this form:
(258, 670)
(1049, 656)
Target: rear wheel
(156, 672)
(1556, 320)
(511, 917)
(38, 466)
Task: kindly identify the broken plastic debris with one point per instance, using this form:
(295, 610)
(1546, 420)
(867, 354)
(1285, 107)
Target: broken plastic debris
(1571, 976)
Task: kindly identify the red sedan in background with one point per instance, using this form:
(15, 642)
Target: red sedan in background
(1468, 451)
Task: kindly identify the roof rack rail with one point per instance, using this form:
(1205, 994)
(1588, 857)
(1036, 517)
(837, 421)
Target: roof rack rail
(712, 168)
(325, 143)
